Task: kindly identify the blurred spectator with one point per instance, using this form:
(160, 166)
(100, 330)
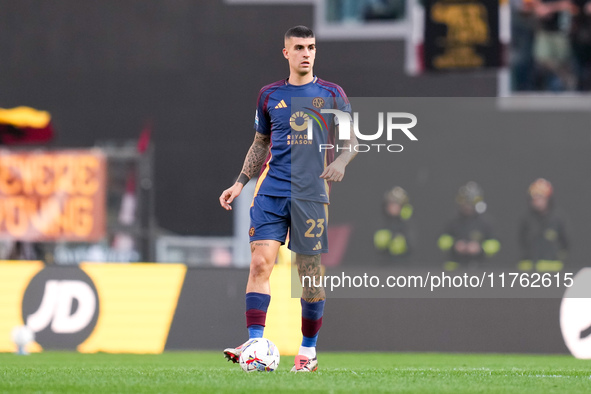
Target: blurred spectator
(468, 240)
(580, 38)
(345, 11)
(357, 11)
(394, 240)
(384, 9)
(523, 26)
(552, 50)
(551, 45)
(542, 235)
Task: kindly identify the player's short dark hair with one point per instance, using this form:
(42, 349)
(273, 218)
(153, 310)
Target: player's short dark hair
(300, 32)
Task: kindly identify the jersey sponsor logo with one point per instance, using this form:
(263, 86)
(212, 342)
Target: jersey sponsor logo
(304, 120)
(281, 105)
(299, 121)
(298, 139)
(318, 102)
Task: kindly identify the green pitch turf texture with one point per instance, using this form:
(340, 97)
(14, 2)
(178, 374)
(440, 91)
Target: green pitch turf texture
(197, 372)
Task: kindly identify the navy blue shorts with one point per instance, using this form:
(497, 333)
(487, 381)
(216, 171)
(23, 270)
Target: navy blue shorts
(307, 222)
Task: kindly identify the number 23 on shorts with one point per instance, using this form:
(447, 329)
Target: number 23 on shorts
(314, 224)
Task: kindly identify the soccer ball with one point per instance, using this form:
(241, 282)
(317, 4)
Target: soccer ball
(259, 354)
(22, 336)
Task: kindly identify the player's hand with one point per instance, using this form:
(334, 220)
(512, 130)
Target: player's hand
(335, 171)
(229, 195)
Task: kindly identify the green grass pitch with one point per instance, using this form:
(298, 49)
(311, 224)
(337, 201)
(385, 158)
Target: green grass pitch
(203, 372)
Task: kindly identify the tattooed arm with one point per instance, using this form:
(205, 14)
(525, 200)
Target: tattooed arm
(255, 157)
(252, 165)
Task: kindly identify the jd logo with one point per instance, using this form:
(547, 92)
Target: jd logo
(575, 315)
(61, 307)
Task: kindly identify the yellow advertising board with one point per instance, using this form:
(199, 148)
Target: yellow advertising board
(96, 307)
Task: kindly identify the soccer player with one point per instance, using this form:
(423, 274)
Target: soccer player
(292, 190)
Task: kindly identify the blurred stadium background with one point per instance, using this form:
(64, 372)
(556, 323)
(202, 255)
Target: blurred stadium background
(162, 95)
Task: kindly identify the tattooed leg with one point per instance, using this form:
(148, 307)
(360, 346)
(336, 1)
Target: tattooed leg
(309, 266)
(264, 254)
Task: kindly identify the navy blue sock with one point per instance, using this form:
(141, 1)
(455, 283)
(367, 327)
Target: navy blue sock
(311, 321)
(256, 313)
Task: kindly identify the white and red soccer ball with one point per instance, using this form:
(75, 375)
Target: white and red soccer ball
(260, 355)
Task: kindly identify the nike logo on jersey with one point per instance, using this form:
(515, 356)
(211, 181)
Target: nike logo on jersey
(281, 105)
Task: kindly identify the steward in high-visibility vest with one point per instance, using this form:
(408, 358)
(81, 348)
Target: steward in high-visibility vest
(394, 239)
(542, 235)
(468, 239)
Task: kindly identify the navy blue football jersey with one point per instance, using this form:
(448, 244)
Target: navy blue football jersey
(301, 136)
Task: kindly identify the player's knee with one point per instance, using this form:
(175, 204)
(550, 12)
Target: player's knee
(260, 266)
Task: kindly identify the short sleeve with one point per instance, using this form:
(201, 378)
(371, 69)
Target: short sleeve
(342, 102)
(262, 123)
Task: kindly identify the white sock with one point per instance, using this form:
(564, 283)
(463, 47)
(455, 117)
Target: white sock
(309, 352)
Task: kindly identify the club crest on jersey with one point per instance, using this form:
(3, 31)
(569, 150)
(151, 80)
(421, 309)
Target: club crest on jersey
(318, 102)
(251, 232)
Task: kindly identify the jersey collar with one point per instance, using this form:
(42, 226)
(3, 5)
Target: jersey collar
(313, 81)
